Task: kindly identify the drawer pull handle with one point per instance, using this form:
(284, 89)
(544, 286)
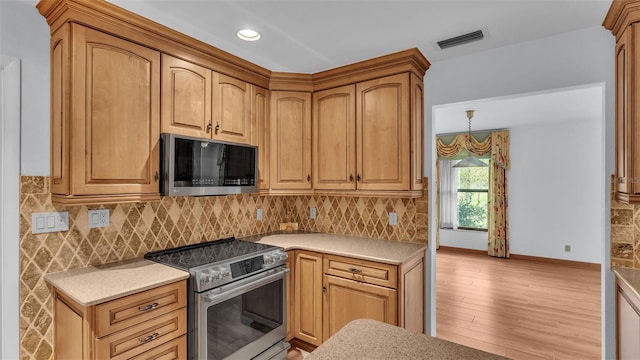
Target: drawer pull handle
(146, 339)
(148, 307)
(355, 271)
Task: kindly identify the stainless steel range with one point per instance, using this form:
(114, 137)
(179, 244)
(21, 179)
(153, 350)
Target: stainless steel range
(237, 298)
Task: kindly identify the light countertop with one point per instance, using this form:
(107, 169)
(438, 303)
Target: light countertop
(374, 340)
(100, 283)
(384, 251)
(631, 277)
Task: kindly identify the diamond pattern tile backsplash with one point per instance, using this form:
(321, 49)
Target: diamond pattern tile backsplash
(174, 221)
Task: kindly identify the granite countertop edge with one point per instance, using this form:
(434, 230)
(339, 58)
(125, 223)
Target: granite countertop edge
(384, 341)
(631, 277)
(297, 242)
(78, 284)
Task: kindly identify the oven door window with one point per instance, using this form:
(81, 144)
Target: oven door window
(244, 319)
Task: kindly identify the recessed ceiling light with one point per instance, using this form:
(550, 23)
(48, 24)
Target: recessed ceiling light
(248, 35)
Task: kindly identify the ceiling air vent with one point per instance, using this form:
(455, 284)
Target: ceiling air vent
(462, 39)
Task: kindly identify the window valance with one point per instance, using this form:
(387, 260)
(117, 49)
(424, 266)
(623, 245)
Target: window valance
(496, 144)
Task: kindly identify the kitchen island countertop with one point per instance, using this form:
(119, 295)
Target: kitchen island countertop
(374, 340)
(383, 251)
(100, 283)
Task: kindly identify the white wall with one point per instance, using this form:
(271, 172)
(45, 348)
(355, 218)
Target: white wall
(24, 34)
(465, 239)
(572, 59)
(554, 184)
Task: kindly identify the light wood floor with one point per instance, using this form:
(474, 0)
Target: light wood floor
(520, 309)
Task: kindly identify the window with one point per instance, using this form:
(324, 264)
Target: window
(473, 191)
(463, 197)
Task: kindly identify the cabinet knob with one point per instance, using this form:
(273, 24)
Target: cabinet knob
(156, 177)
(358, 178)
(355, 271)
(324, 289)
(217, 128)
(209, 127)
(350, 177)
(308, 178)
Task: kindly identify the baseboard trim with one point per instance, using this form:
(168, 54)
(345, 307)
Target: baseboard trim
(300, 344)
(572, 263)
(462, 250)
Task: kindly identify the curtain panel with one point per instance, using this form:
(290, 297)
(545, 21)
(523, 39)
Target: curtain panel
(498, 204)
(497, 144)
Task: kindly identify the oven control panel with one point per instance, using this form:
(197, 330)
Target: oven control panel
(215, 275)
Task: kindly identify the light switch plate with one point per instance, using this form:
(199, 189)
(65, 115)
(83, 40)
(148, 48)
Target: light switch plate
(393, 218)
(98, 218)
(47, 222)
(259, 214)
(312, 213)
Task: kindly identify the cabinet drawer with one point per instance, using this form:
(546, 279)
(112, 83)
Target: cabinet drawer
(119, 314)
(171, 350)
(143, 337)
(362, 270)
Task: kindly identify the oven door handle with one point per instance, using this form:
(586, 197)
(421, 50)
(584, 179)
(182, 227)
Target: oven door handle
(233, 292)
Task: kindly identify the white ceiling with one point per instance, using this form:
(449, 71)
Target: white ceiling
(308, 36)
(576, 104)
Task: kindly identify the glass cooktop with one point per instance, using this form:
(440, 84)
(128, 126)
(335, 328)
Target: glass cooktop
(211, 252)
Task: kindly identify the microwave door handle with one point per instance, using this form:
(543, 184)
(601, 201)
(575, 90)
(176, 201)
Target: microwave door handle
(213, 299)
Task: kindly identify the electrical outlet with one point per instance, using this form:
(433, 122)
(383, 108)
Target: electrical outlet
(259, 214)
(47, 222)
(312, 213)
(393, 218)
(98, 218)
(567, 248)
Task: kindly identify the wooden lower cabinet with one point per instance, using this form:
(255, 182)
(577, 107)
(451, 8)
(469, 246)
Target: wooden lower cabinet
(308, 297)
(290, 298)
(330, 291)
(148, 325)
(627, 323)
(346, 300)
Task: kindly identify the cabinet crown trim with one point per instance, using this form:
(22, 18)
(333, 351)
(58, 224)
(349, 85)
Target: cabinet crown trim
(621, 14)
(120, 22)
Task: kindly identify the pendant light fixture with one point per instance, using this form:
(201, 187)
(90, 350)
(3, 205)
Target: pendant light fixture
(470, 160)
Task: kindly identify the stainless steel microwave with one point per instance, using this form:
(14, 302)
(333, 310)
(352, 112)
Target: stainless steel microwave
(197, 167)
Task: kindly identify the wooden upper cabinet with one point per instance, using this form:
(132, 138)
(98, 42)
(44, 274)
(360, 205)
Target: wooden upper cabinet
(199, 102)
(186, 98)
(623, 19)
(417, 133)
(383, 118)
(261, 135)
(105, 134)
(290, 140)
(233, 121)
(334, 139)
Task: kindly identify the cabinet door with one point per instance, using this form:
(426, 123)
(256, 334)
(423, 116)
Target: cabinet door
(348, 300)
(60, 82)
(260, 114)
(623, 72)
(417, 133)
(233, 108)
(334, 139)
(290, 140)
(186, 98)
(308, 297)
(628, 329)
(290, 296)
(382, 115)
(116, 115)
